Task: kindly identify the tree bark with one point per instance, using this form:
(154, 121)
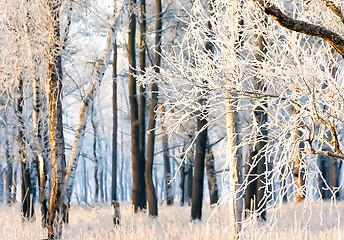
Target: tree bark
(211, 174)
(142, 106)
(197, 181)
(167, 165)
(151, 194)
(9, 174)
(95, 158)
(26, 187)
(134, 118)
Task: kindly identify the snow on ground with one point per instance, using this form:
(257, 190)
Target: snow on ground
(293, 222)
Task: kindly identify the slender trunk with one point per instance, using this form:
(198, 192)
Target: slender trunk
(167, 165)
(197, 181)
(26, 187)
(85, 180)
(151, 194)
(134, 117)
(9, 174)
(95, 158)
(262, 119)
(251, 189)
(15, 172)
(142, 107)
(114, 126)
(211, 175)
(182, 184)
(232, 161)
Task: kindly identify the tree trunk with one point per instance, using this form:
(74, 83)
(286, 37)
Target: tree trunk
(137, 190)
(26, 188)
(95, 158)
(142, 107)
(151, 194)
(85, 180)
(197, 181)
(114, 201)
(57, 151)
(167, 165)
(211, 174)
(182, 184)
(262, 119)
(9, 174)
(15, 172)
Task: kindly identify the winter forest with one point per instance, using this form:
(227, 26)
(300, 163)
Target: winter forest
(200, 119)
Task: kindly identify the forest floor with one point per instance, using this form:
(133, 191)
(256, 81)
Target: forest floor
(319, 220)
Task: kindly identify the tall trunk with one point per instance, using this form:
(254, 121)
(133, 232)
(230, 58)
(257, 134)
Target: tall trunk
(182, 184)
(9, 174)
(197, 181)
(26, 189)
(114, 126)
(95, 158)
(114, 202)
(134, 117)
(58, 161)
(211, 174)
(85, 179)
(142, 107)
(251, 189)
(234, 161)
(15, 172)
(262, 118)
(151, 194)
(167, 165)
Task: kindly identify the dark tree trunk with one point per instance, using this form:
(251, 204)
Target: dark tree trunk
(15, 172)
(182, 184)
(137, 190)
(262, 119)
(142, 107)
(151, 194)
(95, 157)
(197, 183)
(115, 126)
(26, 187)
(9, 174)
(167, 165)
(211, 175)
(251, 190)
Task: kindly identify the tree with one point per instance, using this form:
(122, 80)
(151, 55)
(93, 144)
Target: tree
(151, 195)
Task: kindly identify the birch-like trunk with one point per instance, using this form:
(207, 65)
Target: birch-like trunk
(97, 77)
(232, 162)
